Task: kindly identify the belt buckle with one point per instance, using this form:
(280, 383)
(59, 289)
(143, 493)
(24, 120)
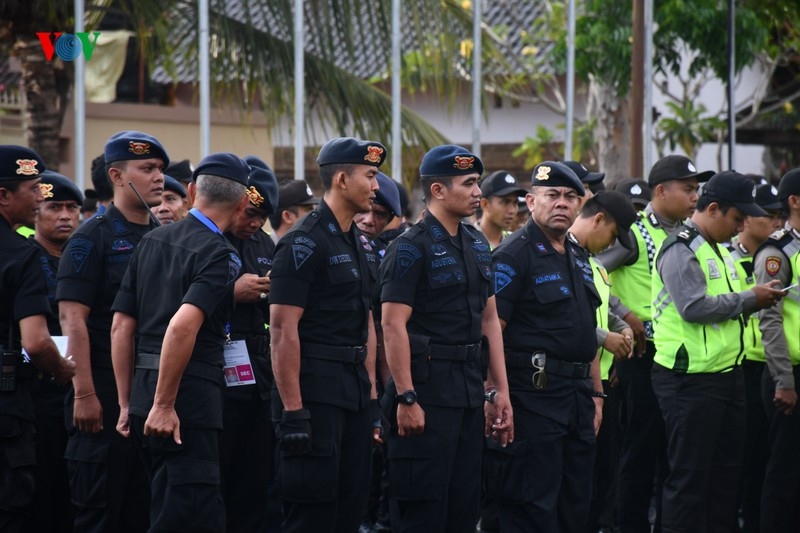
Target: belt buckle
(539, 378)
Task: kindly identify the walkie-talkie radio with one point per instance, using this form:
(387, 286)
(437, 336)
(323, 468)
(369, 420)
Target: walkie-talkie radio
(9, 359)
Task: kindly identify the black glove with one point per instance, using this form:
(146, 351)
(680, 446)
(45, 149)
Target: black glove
(295, 432)
(379, 419)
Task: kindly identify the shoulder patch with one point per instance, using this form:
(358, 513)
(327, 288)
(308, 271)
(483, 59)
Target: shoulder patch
(407, 255)
(772, 265)
(79, 250)
(300, 253)
(234, 266)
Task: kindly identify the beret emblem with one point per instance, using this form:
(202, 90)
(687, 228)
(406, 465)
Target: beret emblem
(27, 167)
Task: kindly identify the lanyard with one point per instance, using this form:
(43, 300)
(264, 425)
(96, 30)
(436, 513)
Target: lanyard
(207, 222)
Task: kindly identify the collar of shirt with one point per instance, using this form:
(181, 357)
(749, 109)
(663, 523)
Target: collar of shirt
(207, 222)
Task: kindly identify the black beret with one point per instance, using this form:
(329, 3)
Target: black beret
(621, 210)
(19, 163)
(735, 188)
(500, 183)
(675, 167)
(554, 174)
(171, 184)
(224, 165)
(387, 194)
(295, 192)
(263, 189)
(180, 170)
(350, 151)
(127, 145)
(59, 188)
(789, 184)
(255, 161)
(401, 190)
(767, 197)
(449, 160)
(586, 177)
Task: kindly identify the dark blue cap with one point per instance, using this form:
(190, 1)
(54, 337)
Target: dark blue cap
(789, 184)
(388, 195)
(735, 188)
(263, 189)
(767, 197)
(59, 188)
(255, 161)
(19, 163)
(449, 160)
(347, 150)
(127, 145)
(171, 184)
(554, 174)
(583, 173)
(224, 165)
(180, 170)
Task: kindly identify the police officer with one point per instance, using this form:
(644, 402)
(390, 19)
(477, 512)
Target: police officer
(674, 181)
(547, 301)
(24, 309)
(175, 299)
(777, 260)
(437, 302)
(108, 484)
(499, 197)
(56, 221)
(697, 376)
(320, 322)
(248, 441)
(174, 202)
(295, 200)
(602, 218)
(755, 231)
(636, 189)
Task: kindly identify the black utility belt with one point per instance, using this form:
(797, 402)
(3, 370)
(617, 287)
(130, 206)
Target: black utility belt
(340, 354)
(197, 369)
(556, 367)
(448, 352)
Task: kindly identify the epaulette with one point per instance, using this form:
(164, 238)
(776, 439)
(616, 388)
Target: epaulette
(308, 222)
(685, 235)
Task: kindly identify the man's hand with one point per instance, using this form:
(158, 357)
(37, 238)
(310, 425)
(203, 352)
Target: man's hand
(163, 422)
(65, 370)
(249, 288)
(598, 414)
(410, 419)
(785, 400)
(295, 432)
(639, 337)
(768, 294)
(500, 419)
(619, 344)
(123, 423)
(87, 413)
(380, 424)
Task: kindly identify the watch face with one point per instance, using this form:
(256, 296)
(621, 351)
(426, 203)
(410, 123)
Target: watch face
(409, 397)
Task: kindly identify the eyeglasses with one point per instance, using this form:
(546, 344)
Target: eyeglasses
(539, 379)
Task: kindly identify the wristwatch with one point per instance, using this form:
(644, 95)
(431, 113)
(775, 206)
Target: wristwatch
(490, 394)
(599, 394)
(409, 397)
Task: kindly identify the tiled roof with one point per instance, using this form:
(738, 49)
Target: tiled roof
(509, 19)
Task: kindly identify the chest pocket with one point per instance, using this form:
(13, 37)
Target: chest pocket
(553, 298)
(345, 281)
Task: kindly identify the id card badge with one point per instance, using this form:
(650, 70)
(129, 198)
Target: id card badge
(238, 370)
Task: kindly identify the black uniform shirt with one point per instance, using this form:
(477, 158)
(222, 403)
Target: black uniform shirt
(548, 300)
(447, 282)
(180, 263)
(324, 270)
(91, 268)
(23, 293)
(251, 318)
(49, 264)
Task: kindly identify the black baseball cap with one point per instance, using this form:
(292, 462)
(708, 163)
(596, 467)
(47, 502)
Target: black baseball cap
(767, 197)
(583, 173)
(295, 192)
(676, 167)
(636, 189)
(735, 188)
(789, 184)
(500, 183)
(621, 210)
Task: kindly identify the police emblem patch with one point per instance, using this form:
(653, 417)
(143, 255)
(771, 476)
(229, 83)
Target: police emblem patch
(543, 174)
(540, 247)
(373, 154)
(407, 255)
(463, 162)
(773, 265)
(300, 253)
(138, 148)
(47, 190)
(27, 167)
(234, 266)
(255, 197)
(501, 281)
(79, 250)
(438, 249)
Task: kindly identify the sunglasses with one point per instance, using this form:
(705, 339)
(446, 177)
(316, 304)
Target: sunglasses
(539, 378)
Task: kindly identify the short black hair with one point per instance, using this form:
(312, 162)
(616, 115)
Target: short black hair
(704, 201)
(427, 181)
(327, 172)
(102, 185)
(276, 218)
